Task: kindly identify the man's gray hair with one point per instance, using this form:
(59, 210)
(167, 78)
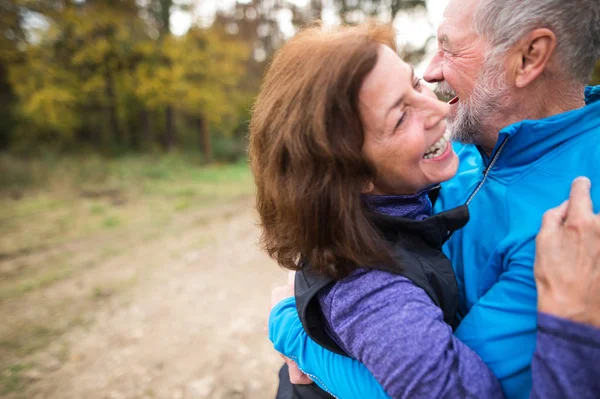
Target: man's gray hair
(576, 24)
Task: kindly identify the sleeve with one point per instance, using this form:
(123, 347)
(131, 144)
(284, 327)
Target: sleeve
(393, 328)
(565, 363)
(501, 328)
(338, 375)
(398, 333)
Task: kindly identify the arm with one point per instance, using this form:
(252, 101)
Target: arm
(567, 272)
(399, 334)
(565, 363)
(339, 375)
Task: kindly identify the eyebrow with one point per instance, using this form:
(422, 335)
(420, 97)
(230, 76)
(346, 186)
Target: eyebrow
(444, 40)
(401, 99)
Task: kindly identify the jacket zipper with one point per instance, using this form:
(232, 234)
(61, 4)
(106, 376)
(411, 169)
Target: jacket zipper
(486, 172)
(482, 182)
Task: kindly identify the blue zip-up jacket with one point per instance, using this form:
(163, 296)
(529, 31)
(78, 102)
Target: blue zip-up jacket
(529, 172)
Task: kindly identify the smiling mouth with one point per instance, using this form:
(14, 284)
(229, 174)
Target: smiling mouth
(439, 147)
(454, 100)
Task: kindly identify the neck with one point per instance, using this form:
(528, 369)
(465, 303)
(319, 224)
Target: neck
(415, 206)
(544, 100)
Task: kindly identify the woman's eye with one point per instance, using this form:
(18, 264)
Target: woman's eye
(400, 121)
(417, 84)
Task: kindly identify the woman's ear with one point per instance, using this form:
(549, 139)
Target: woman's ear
(368, 188)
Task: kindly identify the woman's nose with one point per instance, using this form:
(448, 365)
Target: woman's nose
(435, 112)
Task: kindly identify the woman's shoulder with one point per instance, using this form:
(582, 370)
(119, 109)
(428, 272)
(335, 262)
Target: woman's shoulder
(365, 288)
(368, 278)
(367, 301)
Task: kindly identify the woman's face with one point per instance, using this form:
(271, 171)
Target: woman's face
(405, 129)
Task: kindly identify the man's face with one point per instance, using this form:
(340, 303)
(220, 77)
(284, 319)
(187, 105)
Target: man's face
(460, 69)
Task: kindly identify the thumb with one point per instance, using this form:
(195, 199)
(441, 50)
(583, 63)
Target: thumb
(580, 202)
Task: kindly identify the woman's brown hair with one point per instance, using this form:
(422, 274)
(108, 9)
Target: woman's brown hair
(306, 139)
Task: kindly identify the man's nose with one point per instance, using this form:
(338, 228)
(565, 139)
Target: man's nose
(433, 73)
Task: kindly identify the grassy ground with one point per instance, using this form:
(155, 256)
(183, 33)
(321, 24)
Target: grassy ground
(47, 202)
(61, 218)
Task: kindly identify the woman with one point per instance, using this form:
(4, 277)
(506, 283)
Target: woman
(345, 146)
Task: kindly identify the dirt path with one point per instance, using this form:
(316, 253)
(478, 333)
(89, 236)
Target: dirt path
(185, 321)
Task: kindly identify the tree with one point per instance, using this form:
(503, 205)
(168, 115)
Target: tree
(199, 77)
(12, 36)
(110, 75)
(71, 79)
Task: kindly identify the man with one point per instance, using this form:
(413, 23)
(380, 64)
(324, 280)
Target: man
(508, 62)
(518, 70)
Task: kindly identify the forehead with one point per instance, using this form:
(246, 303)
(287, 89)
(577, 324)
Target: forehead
(388, 69)
(458, 16)
(383, 87)
(382, 84)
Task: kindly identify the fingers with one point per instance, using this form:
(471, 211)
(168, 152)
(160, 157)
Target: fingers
(580, 202)
(552, 221)
(554, 218)
(296, 375)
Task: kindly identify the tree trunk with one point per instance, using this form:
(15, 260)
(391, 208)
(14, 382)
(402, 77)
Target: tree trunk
(169, 134)
(141, 136)
(205, 144)
(6, 99)
(113, 118)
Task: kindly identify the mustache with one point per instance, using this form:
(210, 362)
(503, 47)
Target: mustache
(443, 88)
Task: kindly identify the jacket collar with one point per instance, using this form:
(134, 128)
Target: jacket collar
(434, 230)
(528, 140)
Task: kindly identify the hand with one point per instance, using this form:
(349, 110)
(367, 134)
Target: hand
(277, 295)
(297, 377)
(567, 262)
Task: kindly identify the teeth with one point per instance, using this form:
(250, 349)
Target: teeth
(439, 147)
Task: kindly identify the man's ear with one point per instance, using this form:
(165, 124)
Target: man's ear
(534, 53)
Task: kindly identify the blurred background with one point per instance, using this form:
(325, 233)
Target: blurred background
(128, 258)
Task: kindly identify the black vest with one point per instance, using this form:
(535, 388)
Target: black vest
(417, 248)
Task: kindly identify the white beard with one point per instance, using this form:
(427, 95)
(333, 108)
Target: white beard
(490, 94)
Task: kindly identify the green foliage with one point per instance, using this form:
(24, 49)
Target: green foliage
(108, 76)
(97, 75)
(11, 379)
(198, 75)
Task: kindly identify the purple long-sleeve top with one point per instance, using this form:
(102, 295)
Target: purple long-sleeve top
(393, 327)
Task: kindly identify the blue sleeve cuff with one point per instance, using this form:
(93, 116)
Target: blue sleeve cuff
(338, 375)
